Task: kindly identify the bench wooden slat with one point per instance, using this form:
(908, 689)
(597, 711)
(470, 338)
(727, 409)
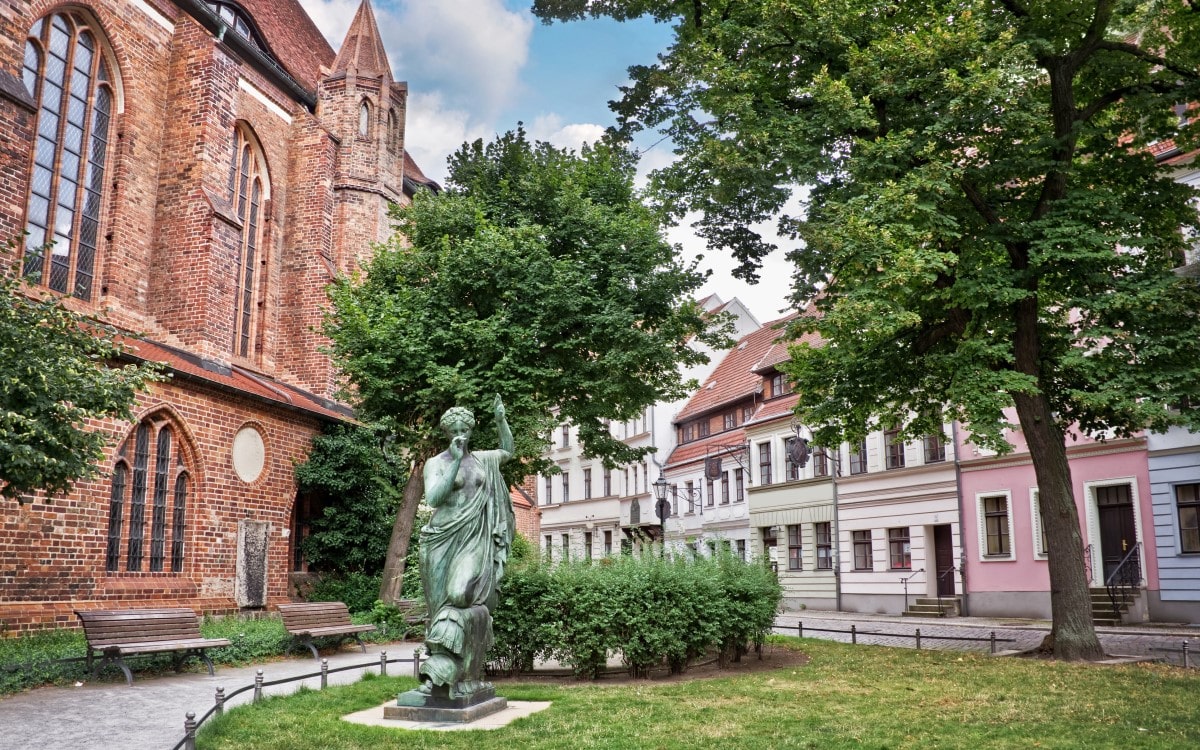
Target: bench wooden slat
(307, 620)
(117, 633)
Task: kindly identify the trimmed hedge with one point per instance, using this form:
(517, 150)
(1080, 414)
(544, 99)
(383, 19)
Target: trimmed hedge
(653, 611)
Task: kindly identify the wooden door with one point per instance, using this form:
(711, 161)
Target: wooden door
(943, 555)
(1114, 506)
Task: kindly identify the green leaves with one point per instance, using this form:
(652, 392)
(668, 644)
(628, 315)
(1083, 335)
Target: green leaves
(538, 275)
(60, 370)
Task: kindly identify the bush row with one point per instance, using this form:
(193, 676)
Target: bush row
(652, 611)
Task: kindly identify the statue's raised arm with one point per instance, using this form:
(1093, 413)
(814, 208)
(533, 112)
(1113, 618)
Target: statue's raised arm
(506, 438)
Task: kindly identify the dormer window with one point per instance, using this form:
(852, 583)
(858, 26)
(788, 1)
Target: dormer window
(237, 20)
(780, 385)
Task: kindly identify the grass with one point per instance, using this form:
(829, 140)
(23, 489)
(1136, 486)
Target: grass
(845, 697)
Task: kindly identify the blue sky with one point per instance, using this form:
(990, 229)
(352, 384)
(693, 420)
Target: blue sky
(477, 67)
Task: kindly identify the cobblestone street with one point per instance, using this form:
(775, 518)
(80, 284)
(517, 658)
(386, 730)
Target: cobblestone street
(975, 634)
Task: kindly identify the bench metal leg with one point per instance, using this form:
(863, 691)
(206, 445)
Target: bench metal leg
(361, 645)
(308, 641)
(115, 658)
(207, 661)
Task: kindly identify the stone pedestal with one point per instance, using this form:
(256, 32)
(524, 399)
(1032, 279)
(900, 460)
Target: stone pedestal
(418, 706)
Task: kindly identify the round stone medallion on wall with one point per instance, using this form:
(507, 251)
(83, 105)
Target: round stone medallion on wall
(249, 453)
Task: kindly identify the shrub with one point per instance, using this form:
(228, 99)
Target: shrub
(252, 639)
(522, 621)
(358, 591)
(27, 661)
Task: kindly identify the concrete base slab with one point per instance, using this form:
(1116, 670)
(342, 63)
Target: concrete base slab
(442, 714)
(515, 710)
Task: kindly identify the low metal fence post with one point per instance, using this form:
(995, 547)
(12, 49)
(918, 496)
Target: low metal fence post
(383, 663)
(324, 673)
(189, 731)
(800, 628)
(993, 641)
(1185, 654)
(853, 634)
(220, 709)
(918, 639)
(258, 686)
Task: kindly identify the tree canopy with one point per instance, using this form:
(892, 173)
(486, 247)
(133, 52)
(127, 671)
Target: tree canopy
(538, 275)
(985, 223)
(59, 370)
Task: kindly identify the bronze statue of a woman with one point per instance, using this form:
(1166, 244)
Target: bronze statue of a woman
(464, 548)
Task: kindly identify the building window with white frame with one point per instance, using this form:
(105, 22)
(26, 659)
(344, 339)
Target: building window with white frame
(935, 448)
(795, 547)
(566, 486)
(764, 464)
(858, 457)
(587, 484)
(995, 527)
(824, 538)
(546, 500)
(739, 486)
(587, 545)
(899, 549)
(725, 488)
(863, 559)
(1187, 508)
(893, 449)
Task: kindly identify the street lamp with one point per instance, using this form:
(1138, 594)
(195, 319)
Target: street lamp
(662, 507)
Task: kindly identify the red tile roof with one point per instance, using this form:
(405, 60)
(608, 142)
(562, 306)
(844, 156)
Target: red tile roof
(774, 409)
(413, 173)
(294, 40)
(734, 378)
(185, 365)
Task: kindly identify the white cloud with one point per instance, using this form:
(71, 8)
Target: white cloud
(472, 51)
(434, 130)
(332, 17)
(550, 128)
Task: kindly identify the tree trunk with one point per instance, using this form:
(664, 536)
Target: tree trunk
(393, 565)
(1072, 633)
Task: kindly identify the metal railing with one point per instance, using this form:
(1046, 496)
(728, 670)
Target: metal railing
(191, 724)
(854, 632)
(905, 580)
(1125, 578)
(942, 576)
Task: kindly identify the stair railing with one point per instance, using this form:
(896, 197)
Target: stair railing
(947, 572)
(1125, 578)
(904, 580)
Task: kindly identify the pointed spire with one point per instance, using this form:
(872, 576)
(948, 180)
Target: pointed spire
(362, 51)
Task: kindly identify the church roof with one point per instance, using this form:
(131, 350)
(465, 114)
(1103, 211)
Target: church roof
(362, 51)
(293, 38)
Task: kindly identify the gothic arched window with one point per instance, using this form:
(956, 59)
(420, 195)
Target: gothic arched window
(364, 119)
(248, 188)
(149, 467)
(67, 72)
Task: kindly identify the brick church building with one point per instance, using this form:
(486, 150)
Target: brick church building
(200, 171)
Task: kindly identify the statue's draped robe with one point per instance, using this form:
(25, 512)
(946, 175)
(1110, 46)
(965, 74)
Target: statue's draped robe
(464, 549)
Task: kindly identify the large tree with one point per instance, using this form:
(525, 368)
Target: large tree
(985, 227)
(537, 275)
(60, 370)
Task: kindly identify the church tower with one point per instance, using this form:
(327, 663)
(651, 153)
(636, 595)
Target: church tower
(363, 108)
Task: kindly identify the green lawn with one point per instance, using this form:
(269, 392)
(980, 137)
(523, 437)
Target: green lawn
(846, 696)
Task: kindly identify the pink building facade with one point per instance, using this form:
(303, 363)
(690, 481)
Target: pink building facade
(1005, 554)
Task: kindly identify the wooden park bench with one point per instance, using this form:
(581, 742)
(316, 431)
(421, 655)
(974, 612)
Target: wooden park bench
(305, 621)
(115, 634)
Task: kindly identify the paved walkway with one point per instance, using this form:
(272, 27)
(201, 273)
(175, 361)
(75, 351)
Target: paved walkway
(150, 714)
(1012, 634)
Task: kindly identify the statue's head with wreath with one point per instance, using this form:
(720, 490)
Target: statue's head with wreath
(457, 417)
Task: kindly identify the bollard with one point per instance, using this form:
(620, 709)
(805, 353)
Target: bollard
(993, 639)
(853, 634)
(189, 731)
(220, 701)
(918, 639)
(800, 628)
(324, 673)
(417, 664)
(1185, 654)
(258, 681)
(383, 663)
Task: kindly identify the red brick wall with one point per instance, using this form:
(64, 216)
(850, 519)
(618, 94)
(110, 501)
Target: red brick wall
(165, 268)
